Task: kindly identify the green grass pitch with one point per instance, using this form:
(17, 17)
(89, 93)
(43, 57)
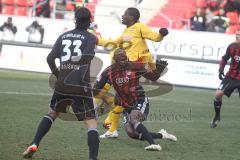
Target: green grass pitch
(185, 112)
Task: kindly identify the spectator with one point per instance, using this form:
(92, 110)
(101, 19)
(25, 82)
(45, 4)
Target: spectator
(198, 22)
(36, 32)
(212, 8)
(219, 23)
(42, 8)
(232, 5)
(183, 25)
(60, 8)
(9, 30)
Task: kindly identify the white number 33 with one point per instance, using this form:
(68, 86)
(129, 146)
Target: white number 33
(67, 43)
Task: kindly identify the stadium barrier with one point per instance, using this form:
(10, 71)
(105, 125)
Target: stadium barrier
(186, 71)
(193, 56)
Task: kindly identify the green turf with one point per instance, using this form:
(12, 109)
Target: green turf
(186, 112)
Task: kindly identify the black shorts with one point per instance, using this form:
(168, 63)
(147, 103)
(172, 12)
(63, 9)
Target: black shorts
(142, 105)
(228, 85)
(82, 107)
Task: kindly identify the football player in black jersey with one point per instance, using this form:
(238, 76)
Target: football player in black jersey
(75, 49)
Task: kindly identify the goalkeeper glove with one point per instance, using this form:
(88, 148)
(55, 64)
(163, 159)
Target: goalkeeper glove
(161, 65)
(221, 75)
(163, 32)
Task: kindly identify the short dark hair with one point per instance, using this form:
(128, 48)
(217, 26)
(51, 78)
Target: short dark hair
(134, 12)
(118, 54)
(83, 18)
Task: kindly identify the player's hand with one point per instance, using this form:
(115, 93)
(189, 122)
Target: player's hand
(163, 32)
(161, 65)
(221, 75)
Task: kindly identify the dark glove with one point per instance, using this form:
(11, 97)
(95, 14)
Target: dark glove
(221, 75)
(161, 65)
(163, 32)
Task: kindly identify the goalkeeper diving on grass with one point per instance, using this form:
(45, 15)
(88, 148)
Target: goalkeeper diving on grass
(133, 41)
(124, 76)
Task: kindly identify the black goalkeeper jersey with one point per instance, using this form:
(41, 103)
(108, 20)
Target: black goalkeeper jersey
(75, 49)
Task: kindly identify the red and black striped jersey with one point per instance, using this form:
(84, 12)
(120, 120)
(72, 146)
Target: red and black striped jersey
(125, 82)
(233, 53)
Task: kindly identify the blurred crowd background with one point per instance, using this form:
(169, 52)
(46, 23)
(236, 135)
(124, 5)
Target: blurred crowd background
(199, 15)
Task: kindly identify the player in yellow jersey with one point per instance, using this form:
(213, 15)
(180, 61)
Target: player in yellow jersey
(133, 40)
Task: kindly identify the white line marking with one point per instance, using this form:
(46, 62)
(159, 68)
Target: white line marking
(26, 93)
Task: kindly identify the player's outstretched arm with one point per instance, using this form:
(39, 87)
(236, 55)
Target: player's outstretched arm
(147, 33)
(105, 42)
(155, 74)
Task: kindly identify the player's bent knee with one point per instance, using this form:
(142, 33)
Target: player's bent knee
(219, 94)
(130, 131)
(53, 113)
(90, 123)
(135, 117)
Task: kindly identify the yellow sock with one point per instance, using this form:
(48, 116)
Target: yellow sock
(114, 117)
(108, 120)
(110, 101)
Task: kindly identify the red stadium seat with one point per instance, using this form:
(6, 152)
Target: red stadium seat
(201, 3)
(10, 2)
(95, 1)
(91, 7)
(8, 10)
(30, 3)
(21, 3)
(232, 29)
(69, 6)
(21, 11)
(233, 17)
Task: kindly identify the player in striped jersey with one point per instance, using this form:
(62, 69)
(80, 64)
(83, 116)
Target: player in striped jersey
(133, 40)
(124, 77)
(231, 81)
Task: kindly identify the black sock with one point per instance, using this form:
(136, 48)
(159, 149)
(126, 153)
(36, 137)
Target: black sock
(42, 129)
(145, 134)
(156, 135)
(93, 144)
(217, 107)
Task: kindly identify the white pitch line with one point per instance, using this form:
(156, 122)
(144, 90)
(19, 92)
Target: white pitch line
(26, 93)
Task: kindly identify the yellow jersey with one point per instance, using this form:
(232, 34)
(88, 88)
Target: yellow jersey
(133, 38)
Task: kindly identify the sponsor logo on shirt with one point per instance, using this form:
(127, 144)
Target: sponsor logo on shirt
(122, 80)
(237, 58)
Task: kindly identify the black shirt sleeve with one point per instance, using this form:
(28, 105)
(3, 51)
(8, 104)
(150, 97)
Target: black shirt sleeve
(89, 49)
(55, 53)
